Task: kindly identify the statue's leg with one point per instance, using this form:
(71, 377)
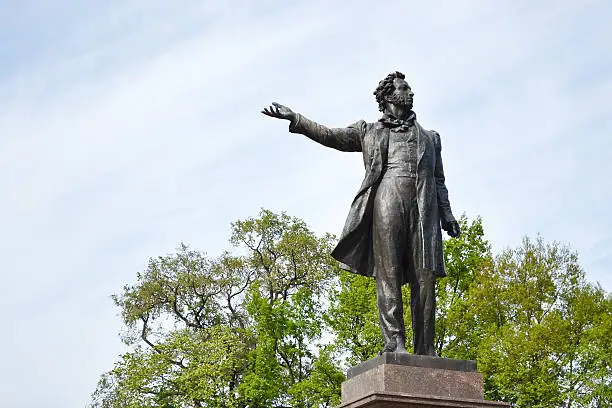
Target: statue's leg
(416, 313)
(422, 310)
(427, 283)
(422, 289)
(389, 234)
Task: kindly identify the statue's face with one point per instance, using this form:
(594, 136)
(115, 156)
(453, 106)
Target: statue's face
(402, 95)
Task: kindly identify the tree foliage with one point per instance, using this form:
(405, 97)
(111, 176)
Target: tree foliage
(235, 331)
(544, 333)
(276, 323)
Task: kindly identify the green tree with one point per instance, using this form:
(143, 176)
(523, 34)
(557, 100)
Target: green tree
(353, 319)
(464, 257)
(185, 319)
(286, 305)
(235, 331)
(544, 332)
(276, 323)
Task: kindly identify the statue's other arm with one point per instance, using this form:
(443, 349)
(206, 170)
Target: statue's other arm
(446, 214)
(345, 139)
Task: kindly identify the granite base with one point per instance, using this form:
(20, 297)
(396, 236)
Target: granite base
(402, 380)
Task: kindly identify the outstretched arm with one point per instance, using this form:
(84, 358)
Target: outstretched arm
(345, 139)
(449, 224)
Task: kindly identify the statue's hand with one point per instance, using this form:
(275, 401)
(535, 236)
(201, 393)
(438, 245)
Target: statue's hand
(452, 228)
(279, 111)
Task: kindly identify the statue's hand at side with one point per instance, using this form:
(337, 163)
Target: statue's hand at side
(451, 228)
(279, 111)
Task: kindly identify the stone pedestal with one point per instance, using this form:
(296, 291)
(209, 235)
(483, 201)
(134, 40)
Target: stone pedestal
(401, 380)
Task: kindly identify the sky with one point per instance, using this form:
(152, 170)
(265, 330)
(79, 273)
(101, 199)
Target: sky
(128, 127)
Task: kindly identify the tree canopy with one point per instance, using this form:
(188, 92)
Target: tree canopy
(277, 323)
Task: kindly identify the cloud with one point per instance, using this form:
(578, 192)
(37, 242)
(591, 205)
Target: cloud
(129, 127)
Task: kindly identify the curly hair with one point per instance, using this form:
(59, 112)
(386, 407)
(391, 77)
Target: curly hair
(386, 88)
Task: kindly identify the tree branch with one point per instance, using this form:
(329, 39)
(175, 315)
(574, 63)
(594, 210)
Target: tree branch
(179, 314)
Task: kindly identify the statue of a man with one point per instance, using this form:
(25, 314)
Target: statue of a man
(393, 228)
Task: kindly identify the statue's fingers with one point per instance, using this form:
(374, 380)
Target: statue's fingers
(276, 104)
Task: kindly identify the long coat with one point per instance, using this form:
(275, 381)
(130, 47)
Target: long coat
(354, 249)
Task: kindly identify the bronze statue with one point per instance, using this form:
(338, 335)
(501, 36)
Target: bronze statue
(393, 228)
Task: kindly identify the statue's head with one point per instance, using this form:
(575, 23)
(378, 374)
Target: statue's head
(394, 90)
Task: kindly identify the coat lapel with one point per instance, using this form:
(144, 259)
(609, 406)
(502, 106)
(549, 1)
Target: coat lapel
(379, 157)
(382, 141)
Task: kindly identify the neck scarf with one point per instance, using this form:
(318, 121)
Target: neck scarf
(398, 125)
